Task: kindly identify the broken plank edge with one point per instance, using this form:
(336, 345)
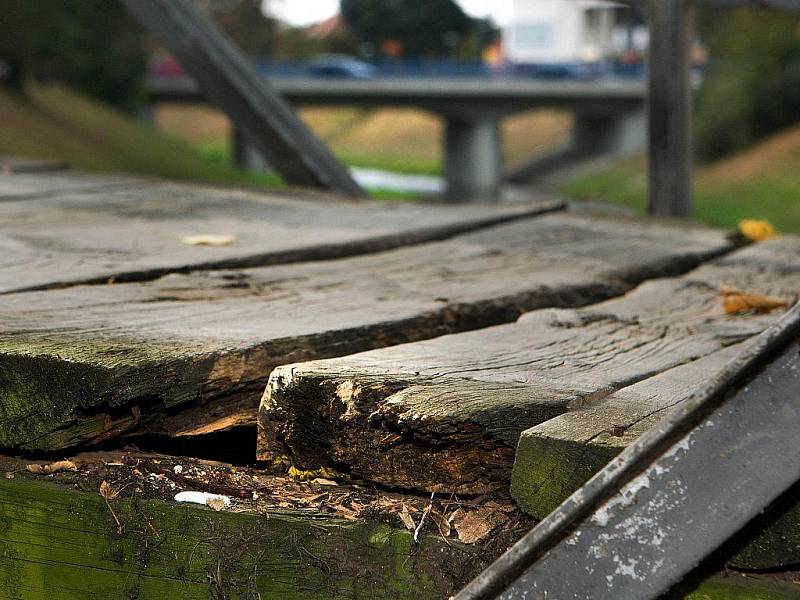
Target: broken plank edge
(625, 467)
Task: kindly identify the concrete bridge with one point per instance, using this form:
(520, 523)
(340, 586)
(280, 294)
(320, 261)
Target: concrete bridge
(609, 116)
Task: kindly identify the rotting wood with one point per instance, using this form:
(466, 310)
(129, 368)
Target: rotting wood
(132, 229)
(88, 363)
(295, 540)
(446, 414)
(61, 539)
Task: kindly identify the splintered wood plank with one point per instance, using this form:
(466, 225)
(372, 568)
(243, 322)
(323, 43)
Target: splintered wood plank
(446, 414)
(136, 230)
(92, 362)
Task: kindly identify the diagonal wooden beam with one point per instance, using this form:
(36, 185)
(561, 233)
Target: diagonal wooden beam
(231, 82)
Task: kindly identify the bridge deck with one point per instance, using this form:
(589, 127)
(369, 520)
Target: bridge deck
(565, 329)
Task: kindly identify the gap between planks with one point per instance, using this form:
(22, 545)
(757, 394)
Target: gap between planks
(89, 363)
(132, 231)
(446, 414)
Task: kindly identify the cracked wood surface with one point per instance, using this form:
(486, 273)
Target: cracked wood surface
(88, 363)
(446, 414)
(92, 229)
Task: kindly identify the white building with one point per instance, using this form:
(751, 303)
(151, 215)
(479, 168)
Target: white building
(563, 32)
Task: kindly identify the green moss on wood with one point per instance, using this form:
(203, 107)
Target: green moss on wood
(57, 395)
(57, 543)
(547, 471)
(742, 587)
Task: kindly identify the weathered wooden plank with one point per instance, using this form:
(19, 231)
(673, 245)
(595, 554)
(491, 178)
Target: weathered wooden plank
(446, 414)
(90, 362)
(556, 457)
(61, 539)
(133, 230)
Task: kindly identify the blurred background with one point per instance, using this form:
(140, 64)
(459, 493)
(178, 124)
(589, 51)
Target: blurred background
(74, 86)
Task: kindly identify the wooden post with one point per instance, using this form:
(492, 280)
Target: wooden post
(670, 108)
(231, 82)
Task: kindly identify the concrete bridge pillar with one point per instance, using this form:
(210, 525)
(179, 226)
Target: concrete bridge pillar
(246, 156)
(619, 134)
(473, 163)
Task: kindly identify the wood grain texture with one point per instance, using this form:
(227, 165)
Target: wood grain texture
(90, 362)
(132, 230)
(446, 414)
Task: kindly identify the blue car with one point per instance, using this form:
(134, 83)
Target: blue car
(340, 67)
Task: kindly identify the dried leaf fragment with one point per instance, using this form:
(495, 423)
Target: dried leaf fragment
(757, 231)
(323, 481)
(55, 467)
(735, 301)
(441, 523)
(216, 503)
(407, 519)
(208, 240)
(475, 525)
(107, 492)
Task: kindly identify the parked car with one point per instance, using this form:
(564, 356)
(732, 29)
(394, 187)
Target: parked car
(341, 67)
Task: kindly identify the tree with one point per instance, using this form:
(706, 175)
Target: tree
(91, 44)
(752, 87)
(423, 29)
(247, 25)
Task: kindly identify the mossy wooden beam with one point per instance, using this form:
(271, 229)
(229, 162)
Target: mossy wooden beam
(735, 586)
(446, 414)
(556, 457)
(60, 538)
(65, 544)
(99, 229)
(87, 363)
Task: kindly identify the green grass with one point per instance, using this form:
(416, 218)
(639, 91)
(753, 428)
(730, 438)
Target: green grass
(53, 122)
(771, 194)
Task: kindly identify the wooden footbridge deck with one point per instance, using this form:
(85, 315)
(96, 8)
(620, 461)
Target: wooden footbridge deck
(388, 394)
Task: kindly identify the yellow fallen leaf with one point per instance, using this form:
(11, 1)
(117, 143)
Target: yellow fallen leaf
(757, 231)
(303, 475)
(735, 301)
(208, 240)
